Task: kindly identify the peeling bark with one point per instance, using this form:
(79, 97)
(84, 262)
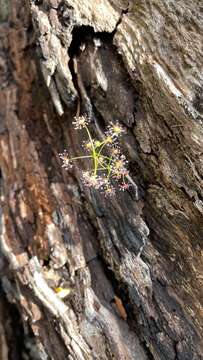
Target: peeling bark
(131, 264)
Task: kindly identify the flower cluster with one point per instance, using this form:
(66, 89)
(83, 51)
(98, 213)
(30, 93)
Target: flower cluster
(108, 170)
(115, 130)
(67, 164)
(80, 122)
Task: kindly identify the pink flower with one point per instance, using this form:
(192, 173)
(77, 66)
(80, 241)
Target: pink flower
(124, 186)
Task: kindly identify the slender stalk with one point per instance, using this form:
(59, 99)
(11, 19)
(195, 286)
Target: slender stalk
(94, 155)
(102, 146)
(80, 157)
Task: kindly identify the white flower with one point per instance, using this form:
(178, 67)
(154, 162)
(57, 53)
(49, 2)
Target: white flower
(115, 130)
(91, 180)
(80, 122)
(66, 160)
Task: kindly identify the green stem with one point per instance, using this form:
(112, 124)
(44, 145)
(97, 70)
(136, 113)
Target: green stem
(102, 146)
(80, 157)
(94, 154)
(90, 137)
(98, 154)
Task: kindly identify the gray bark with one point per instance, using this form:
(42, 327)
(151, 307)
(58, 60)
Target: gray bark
(131, 264)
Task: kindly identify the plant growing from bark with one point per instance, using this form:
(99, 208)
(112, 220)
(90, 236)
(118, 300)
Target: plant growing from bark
(107, 171)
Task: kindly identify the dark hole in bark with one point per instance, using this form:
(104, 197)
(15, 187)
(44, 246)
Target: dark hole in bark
(84, 34)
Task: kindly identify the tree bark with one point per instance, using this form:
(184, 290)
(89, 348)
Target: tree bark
(131, 265)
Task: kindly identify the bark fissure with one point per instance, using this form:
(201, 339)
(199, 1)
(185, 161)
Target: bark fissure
(131, 294)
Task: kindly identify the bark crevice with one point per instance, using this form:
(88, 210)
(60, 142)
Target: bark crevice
(131, 265)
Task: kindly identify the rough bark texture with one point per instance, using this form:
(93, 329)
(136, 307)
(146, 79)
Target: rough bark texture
(132, 263)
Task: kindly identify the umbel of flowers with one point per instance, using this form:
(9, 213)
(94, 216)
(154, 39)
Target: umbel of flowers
(108, 171)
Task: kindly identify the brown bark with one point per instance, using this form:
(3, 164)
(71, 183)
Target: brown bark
(132, 263)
